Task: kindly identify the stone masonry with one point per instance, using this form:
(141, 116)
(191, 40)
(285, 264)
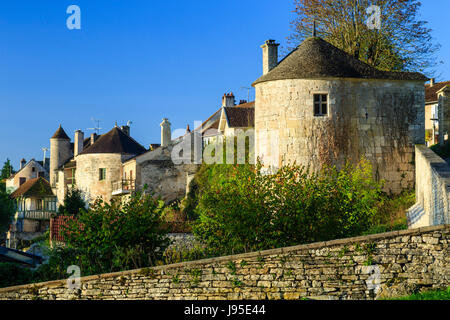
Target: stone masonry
(370, 267)
(379, 120)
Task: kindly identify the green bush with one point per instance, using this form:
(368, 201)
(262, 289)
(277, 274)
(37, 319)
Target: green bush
(118, 236)
(7, 208)
(244, 210)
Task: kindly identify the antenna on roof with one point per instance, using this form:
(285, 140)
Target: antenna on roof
(248, 93)
(314, 28)
(129, 122)
(97, 128)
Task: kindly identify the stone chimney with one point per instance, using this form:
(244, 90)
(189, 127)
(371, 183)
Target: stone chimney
(270, 55)
(78, 143)
(23, 162)
(166, 135)
(432, 82)
(228, 100)
(93, 138)
(126, 130)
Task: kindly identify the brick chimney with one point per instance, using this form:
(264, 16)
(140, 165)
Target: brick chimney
(22, 163)
(78, 143)
(228, 100)
(270, 55)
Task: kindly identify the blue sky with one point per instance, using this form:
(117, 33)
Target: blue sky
(138, 60)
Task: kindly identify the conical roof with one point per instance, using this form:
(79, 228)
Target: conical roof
(60, 134)
(316, 58)
(115, 141)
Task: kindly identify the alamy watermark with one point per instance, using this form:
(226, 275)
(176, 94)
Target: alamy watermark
(74, 280)
(74, 20)
(374, 20)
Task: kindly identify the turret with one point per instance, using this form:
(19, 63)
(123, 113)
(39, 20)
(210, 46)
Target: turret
(60, 152)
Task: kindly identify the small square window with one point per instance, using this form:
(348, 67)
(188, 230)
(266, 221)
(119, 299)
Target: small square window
(102, 174)
(320, 105)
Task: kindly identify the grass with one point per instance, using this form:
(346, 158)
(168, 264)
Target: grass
(429, 295)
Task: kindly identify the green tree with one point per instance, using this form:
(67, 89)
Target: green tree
(73, 203)
(7, 170)
(249, 211)
(404, 42)
(118, 236)
(7, 208)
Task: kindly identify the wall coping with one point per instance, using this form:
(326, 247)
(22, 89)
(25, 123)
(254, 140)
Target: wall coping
(437, 164)
(316, 245)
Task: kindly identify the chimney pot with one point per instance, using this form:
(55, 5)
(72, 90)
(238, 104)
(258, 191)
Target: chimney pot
(270, 55)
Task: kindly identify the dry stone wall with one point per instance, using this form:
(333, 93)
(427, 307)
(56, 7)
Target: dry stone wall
(369, 267)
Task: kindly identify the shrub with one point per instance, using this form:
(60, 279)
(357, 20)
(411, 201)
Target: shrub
(245, 210)
(118, 236)
(73, 203)
(14, 275)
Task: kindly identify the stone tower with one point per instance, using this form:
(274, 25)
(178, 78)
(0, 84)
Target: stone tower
(320, 106)
(60, 152)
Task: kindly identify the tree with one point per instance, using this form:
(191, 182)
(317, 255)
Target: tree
(6, 211)
(403, 43)
(7, 170)
(118, 236)
(73, 203)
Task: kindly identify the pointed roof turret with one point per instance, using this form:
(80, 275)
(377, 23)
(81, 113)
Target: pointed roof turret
(60, 134)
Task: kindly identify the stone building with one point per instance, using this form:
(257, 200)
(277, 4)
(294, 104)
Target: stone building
(320, 106)
(431, 110)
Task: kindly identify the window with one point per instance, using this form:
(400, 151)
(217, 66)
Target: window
(33, 169)
(102, 174)
(320, 105)
(22, 181)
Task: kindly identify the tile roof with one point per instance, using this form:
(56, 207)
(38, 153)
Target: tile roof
(431, 92)
(33, 187)
(60, 134)
(240, 117)
(115, 141)
(316, 58)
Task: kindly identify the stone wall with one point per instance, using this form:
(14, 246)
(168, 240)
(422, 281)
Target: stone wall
(378, 120)
(432, 190)
(369, 267)
(87, 174)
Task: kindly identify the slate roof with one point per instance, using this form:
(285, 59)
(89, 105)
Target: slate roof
(316, 58)
(240, 117)
(33, 187)
(431, 92)
(60, 134)
(115, 141)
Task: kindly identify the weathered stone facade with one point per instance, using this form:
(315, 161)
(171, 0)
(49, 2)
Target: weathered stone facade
(432, 190)
(383, 265)
(88, 174)
(380, 120)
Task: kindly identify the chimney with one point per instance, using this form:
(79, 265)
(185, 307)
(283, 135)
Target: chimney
(79, 141)
(93, 138)
(188, 130)
(126, 130)
(242, 102)
(165, 132)
(228, 100)
(432, 82)
(22, 163)
(270, 55)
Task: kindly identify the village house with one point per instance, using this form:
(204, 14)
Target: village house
(35, 205)
(28, 170)
(435, 93)
(321, 106)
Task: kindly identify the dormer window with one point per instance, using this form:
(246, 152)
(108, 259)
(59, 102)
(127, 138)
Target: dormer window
(320, 105)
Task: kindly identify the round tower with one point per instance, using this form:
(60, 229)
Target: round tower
(60, 152)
